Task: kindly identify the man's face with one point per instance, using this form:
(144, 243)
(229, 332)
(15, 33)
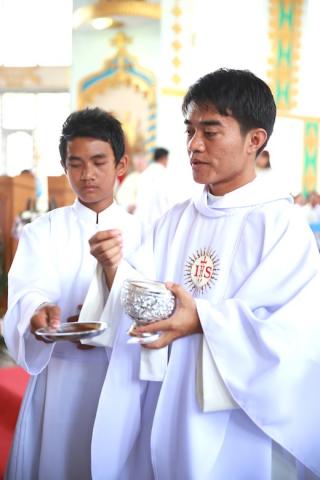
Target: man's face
(220, 155)
(91, 170)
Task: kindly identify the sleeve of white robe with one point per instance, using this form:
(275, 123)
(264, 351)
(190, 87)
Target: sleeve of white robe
(140, 265)
(105, 306)
(32, 280)
(265, 336)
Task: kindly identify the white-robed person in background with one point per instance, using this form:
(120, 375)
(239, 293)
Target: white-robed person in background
(154, 196)
(230, 390)
(127, 191)
(48, 282)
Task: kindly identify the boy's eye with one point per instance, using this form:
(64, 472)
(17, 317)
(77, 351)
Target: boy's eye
(73, 164)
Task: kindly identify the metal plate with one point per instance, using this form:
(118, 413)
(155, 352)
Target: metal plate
(71, 331)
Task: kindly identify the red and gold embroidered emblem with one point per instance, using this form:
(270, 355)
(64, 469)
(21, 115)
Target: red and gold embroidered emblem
(201, 270)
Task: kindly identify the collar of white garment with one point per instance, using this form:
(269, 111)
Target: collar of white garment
(91, 216)
(258, 191)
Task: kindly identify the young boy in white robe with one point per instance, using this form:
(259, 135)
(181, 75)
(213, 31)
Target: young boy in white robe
(48, 281)
(230, 390)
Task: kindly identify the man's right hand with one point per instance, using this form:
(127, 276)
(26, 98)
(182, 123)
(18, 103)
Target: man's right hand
(106, 247)
(46, 315)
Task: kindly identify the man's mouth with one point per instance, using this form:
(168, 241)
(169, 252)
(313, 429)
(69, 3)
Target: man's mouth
(195, 162)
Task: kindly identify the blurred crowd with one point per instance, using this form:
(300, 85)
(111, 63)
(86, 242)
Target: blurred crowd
(146, 191)
(310, 205)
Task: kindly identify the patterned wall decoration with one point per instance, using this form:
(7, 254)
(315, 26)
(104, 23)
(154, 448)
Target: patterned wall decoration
(176, 44)
(286, 17)
(176, 32)
(285, 33)
(311, 142)
(128, 90)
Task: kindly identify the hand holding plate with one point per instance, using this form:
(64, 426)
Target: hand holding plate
(46, 315)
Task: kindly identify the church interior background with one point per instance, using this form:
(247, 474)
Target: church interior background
(136, 59)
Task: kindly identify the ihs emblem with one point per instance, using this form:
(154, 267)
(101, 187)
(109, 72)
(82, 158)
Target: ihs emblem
(201, 270)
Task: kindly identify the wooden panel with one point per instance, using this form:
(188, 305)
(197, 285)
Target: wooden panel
(14, 195)
(59, 191)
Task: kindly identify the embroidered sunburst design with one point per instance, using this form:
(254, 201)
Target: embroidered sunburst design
(201, 271)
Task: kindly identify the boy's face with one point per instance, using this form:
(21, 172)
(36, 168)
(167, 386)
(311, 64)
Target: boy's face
(220, 155)
(91, 170)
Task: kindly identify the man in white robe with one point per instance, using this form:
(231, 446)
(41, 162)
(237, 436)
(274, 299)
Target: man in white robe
(48, 282)
(230, 390)
(154, 195)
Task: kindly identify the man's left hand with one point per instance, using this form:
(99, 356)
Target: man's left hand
(184, 321)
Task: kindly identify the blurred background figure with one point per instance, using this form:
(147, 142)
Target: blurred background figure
(266, 173)
(313, 214)
(302, 204)
(126, 193)
(299, 200)
(263, 166)
(313, 202)
(154, 193)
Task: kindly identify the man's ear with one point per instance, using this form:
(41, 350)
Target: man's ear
(122, 165)
(257, 138)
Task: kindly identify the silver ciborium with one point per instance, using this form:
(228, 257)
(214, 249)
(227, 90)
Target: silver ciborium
(146, 302)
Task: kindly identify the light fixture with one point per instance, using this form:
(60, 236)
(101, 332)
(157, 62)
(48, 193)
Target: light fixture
(111, 13)
(101, 23)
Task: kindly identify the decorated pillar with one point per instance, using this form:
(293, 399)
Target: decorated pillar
(173, 81)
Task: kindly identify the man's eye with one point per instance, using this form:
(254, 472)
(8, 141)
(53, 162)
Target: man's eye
(210, 134)
(74, 164)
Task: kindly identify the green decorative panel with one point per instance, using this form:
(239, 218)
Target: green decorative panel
(285, 35)
(311, 150)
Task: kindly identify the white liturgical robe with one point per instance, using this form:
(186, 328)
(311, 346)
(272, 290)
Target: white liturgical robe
(252, 265)
(53, 264)
(153, 194)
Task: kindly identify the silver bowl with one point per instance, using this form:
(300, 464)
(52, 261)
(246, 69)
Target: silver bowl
(147, 301)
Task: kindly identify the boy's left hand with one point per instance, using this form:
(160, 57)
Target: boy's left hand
(184, 321)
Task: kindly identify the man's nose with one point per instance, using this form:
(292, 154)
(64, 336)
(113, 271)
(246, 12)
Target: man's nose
(196, 143)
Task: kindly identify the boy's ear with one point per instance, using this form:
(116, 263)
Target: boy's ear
(122, 166)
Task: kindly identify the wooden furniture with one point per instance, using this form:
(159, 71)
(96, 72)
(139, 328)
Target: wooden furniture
(59, 191)
(15, 192)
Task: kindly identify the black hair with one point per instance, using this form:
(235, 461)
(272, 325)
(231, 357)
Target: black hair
(236, 93)
(95, 123)
(160, 153)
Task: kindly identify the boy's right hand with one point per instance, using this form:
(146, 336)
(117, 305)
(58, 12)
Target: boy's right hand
(106, 247)
(46, 315)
